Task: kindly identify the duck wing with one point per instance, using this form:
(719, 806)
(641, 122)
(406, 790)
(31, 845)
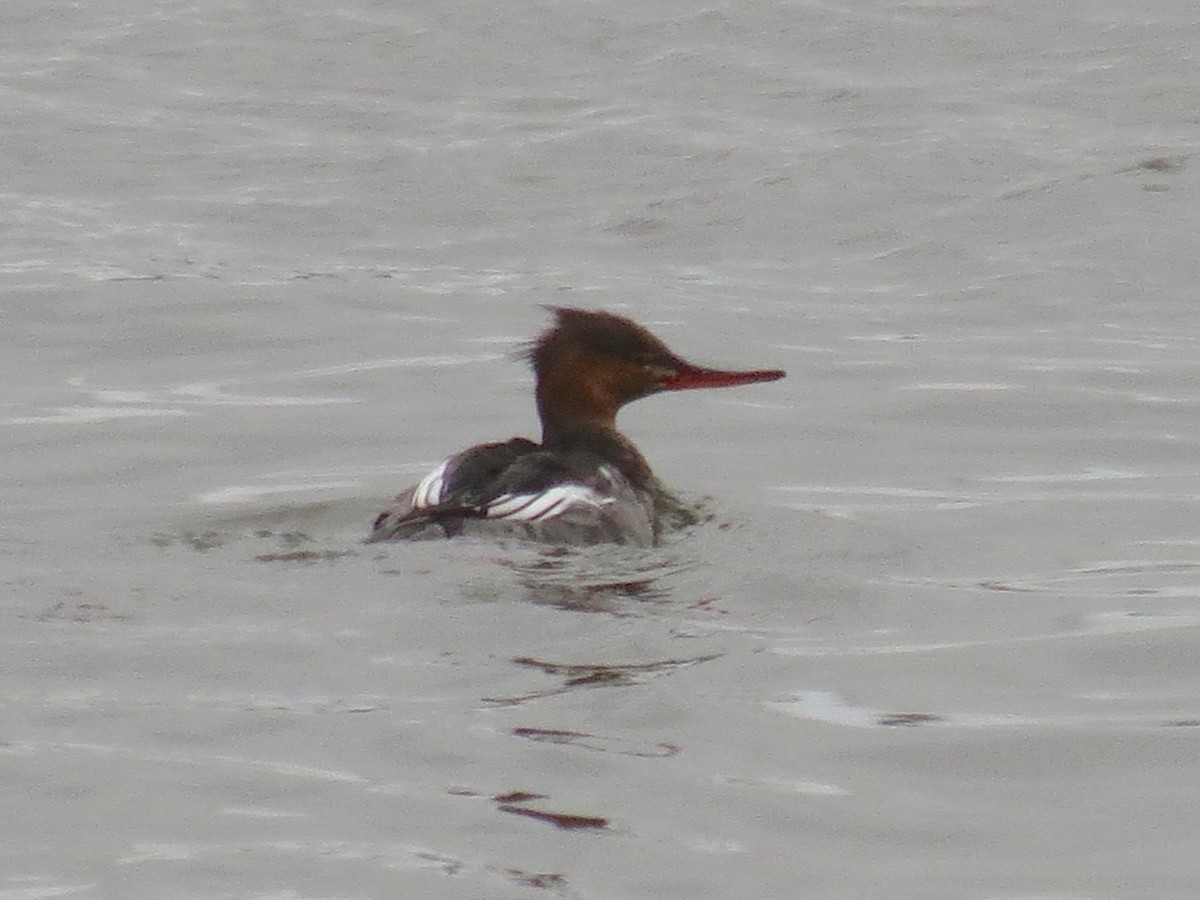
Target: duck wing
(517, 489)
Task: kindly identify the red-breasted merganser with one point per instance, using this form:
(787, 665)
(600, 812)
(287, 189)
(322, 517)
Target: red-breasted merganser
(585, 483)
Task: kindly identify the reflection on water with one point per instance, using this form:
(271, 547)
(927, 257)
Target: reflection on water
(595, 742)
(588, 675)
(596, 579)
(832, 709)
(567, 821)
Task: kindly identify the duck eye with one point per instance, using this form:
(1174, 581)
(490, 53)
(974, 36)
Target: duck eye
(652, 360)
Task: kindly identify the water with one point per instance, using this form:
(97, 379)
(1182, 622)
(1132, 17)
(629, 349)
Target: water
(262, 267)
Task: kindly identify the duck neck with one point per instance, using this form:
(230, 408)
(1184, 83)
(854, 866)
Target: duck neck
(604, 441)
(574, 399)
(578, 396)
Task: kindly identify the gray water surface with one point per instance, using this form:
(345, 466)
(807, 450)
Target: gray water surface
(263, 266)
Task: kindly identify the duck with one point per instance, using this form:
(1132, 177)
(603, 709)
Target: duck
(585, 482)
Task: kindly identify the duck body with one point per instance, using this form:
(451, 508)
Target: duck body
(585, 483)
(519, 489)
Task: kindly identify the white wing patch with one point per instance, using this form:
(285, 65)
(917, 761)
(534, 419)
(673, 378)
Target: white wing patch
(428, 492)
(545, 504)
